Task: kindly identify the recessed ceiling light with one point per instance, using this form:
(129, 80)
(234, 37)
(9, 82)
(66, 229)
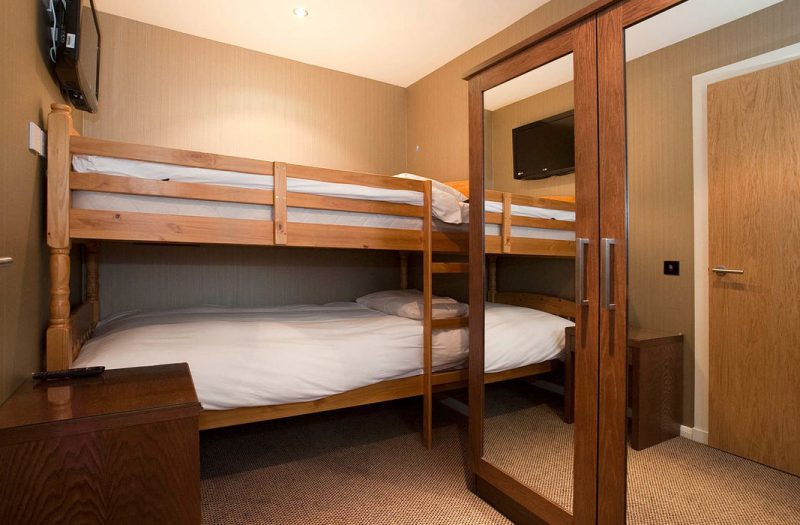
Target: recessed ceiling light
(299, 11)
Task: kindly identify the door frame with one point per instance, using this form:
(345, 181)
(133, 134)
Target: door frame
(516, 500)
(700, 83)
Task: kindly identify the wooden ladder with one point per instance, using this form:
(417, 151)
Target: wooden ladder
(431, 268)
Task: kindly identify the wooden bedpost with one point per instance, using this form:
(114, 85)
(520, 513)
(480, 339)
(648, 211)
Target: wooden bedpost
(427, 294)
(279, 210)
(93, 280)
(492, 278)
(59, 338)
(505, 232)
(404, 270)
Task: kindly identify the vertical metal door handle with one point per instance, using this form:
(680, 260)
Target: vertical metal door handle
(608, 272)
(580, 272)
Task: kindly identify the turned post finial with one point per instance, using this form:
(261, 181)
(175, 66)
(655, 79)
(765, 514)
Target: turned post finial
(63, 108)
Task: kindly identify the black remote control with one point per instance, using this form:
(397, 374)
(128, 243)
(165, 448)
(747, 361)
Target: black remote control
(69, 373)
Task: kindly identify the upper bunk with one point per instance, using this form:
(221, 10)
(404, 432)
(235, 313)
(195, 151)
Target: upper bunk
(114, 191)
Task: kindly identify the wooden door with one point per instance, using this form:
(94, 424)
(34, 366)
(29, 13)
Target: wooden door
(754, 226)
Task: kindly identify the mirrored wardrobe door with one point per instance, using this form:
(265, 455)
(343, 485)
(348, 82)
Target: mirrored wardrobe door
(534, 244)
(707, 432)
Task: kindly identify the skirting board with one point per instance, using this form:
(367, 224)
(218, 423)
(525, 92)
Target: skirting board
(695, 434)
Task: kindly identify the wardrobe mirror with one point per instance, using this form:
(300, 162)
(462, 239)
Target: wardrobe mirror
(713, 120)
(529, 146)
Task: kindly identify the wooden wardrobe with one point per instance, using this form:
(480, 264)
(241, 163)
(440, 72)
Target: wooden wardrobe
(594, 39)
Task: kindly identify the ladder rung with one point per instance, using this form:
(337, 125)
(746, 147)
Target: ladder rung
(450, 267)
(453, 322)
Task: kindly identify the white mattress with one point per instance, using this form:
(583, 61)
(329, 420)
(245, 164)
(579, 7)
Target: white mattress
(172, 206)
(243, 357)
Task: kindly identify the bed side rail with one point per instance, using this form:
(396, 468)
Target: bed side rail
(507, 220)
(98, 224)
(545, 303)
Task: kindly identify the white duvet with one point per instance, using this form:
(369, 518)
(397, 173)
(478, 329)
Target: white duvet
(243, 357)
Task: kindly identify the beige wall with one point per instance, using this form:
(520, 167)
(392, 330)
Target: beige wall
(28, 90)
(502, 123)
(131, 274)
(437, 103)
(660, 166)
(171, 89)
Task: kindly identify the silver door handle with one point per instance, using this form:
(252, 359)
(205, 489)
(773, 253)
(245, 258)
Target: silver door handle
(580, 272)
(607, 245)
(5, 261)
(721, 270)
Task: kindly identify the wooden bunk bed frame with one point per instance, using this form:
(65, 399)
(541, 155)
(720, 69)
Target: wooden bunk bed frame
(69, 327)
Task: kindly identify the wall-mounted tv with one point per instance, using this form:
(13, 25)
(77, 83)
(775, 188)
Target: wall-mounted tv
(545, 148)
(76, 50)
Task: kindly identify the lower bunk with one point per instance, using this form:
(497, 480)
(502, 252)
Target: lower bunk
(257, 364)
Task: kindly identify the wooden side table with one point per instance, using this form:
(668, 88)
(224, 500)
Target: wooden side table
(655, 378)
(122, 447)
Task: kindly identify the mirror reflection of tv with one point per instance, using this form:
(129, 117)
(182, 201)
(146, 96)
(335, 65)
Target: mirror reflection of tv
(545, 148)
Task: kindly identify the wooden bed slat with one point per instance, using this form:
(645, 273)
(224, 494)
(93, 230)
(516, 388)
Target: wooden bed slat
(319, 202)
(545, 303)
(523, 371)
(527, 200)
(180, 190)
(451, 323)
(548, 224)
(327, 236)
(350, 177)
(194, 159)
(449, 267)
(154, 227)
(538, 202)
(538, 247)
(531, 222)
(450, 242)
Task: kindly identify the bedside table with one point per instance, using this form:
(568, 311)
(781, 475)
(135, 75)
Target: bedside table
(122, 447)
(655, 378)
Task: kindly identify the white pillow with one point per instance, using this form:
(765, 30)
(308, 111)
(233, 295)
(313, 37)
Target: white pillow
(408, 303)
(447, 201)
(437, 186)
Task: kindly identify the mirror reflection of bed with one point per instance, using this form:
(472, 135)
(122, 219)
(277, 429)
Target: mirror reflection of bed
(529, 155)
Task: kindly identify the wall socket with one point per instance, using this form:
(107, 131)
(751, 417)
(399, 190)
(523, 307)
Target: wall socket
(37, 140)
(672, 267)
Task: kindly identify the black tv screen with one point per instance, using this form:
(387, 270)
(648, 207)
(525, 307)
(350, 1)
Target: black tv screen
(545, 148)
(78, 53)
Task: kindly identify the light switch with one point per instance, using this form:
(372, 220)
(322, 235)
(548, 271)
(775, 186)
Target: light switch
(37, 140)
(672, 267)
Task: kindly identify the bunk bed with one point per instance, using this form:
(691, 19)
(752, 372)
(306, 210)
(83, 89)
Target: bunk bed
(253, 202)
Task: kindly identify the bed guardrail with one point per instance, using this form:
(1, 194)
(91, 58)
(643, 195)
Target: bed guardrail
(508, 244)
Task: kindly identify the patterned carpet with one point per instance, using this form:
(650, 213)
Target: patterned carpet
(367, 466)
(359, 466)
(676, 482)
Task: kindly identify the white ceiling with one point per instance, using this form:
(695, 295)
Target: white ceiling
(679, 23)
(394, 41)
